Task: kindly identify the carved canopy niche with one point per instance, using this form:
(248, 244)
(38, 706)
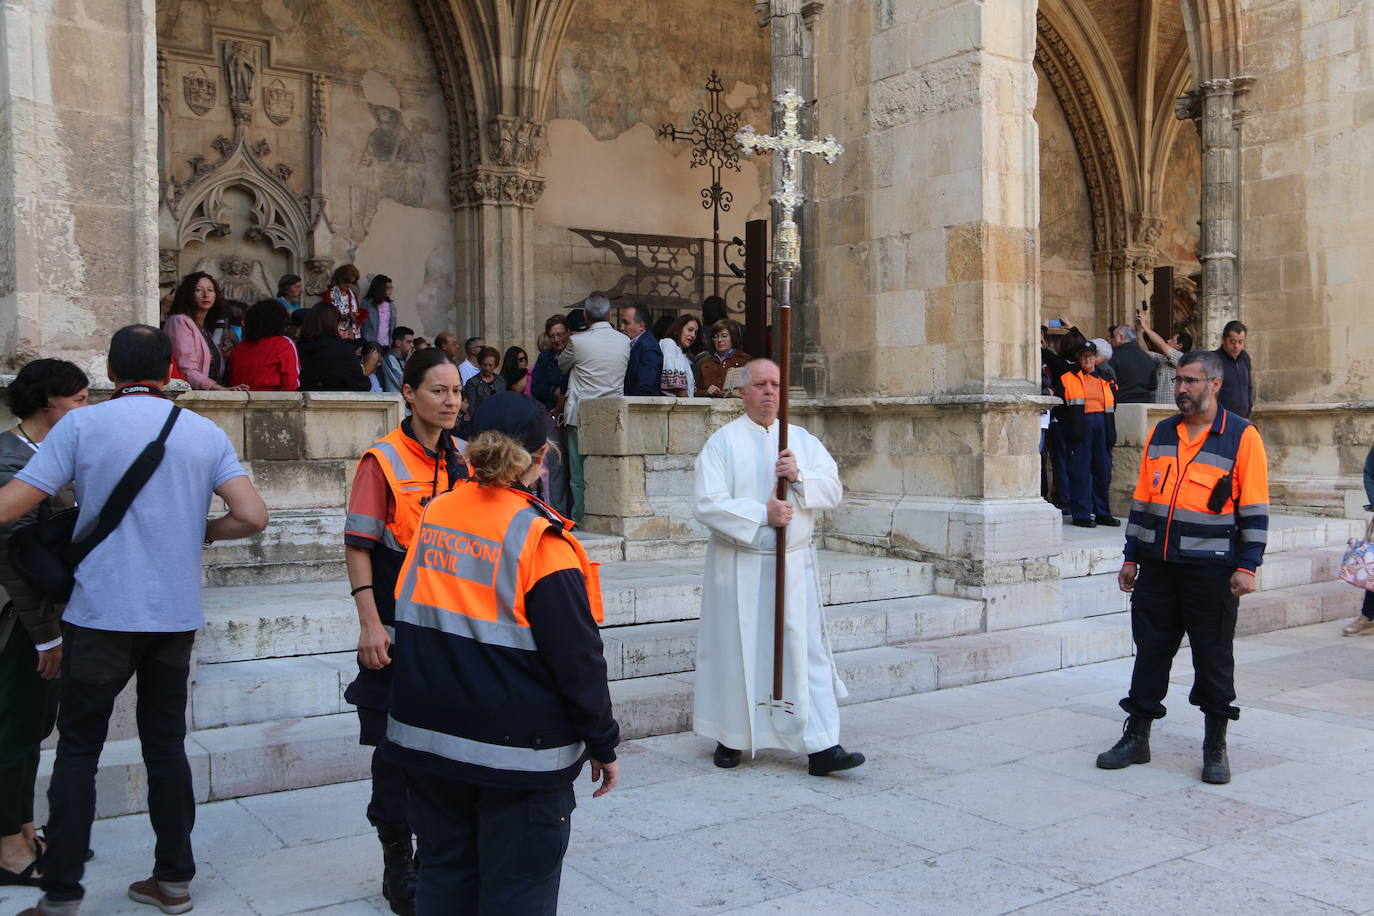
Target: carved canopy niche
(233, 125)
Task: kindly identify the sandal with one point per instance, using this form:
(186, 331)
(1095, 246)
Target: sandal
(25, 878)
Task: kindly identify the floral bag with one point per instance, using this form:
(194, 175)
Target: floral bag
(1357, 566)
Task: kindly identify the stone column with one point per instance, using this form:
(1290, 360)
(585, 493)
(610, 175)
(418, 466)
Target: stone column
(494, 228)
(78, 176)
(1214, 106)
(927, 275)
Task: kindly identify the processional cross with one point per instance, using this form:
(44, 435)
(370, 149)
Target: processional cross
(712, 136)
(789, 144)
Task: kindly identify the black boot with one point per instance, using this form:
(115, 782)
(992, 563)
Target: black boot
(398, 868)
(1216, 768)
(1134, 746)
(726, 757)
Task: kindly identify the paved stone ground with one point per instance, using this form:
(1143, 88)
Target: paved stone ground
(979, 799)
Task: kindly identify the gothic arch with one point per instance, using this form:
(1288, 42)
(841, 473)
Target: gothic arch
(1214, 38)
(1094, 102)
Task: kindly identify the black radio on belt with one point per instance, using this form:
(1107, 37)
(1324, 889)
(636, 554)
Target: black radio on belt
(1220, 493)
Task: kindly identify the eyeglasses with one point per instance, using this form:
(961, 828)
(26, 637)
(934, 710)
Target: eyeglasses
(1189, 381)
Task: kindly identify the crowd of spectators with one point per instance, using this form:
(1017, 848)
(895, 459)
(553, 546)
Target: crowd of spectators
(1133, 364)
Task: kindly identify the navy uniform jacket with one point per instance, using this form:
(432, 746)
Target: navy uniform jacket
(645, 367)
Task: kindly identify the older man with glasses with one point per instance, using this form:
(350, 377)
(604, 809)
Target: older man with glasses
(1194, 541)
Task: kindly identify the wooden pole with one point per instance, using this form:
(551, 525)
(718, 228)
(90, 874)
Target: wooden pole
(782, 338)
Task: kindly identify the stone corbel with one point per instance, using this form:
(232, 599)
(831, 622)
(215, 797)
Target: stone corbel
(495, 186)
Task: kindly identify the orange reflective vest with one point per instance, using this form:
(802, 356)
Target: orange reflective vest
(473, 696)
(414, 478)
(1076, 391)
(1211, 508)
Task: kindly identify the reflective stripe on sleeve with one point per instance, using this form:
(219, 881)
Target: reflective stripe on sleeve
(479, 753)
(364, 526)
(1254, 535)
(1253, 510)
(1143, 535)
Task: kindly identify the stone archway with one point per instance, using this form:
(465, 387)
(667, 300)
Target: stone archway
(496, 61)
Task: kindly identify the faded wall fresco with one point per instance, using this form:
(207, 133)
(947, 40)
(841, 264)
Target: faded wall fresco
(385, 153)
(1182, 204)
(625, 69)
(1066, 229)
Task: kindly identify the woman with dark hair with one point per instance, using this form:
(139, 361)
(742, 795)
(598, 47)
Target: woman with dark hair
(515, 369)
(380, 309)
(395, 480)
(678, 379)
(30, 637)
(713, 370)
(267, 359)
(328, 363)
(370, 356)
(486, 382)
(290, 288)
(343, 295)
(193, 316)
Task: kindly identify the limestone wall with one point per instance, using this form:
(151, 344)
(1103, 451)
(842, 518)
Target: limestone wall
(626, 68)
(1306, 194)
(78, 176)
(382, 174)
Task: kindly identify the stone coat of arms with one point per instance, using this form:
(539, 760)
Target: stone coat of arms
(199, 90)
(279, 102)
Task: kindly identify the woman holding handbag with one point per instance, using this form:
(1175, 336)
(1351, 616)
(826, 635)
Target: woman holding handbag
(1364, 624)
(30, 637)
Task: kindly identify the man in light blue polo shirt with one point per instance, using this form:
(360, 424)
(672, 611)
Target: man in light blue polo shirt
(135, 608)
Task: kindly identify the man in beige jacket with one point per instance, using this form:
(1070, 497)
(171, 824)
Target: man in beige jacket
(595, 360)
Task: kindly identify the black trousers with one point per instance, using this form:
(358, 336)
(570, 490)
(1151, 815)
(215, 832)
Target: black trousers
(485, 851)
(28, 709)
(388, 803)
(1171, 599)
(96, 664)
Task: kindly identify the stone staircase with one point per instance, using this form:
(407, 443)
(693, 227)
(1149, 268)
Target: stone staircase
(267, 710)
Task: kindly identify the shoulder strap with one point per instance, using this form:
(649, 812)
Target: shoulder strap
(122, 496)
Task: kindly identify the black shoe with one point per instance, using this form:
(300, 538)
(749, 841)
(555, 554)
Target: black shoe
(832, 760)
(1109, 521)
(1134, 746)
(1084, 523)
(1216, 768)
(398, 868)
(727, 758)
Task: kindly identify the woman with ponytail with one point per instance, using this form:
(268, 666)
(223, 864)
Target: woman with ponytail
(396, 479)
(502, 694)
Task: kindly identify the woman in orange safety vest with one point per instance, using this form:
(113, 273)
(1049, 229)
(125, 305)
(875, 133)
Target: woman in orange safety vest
(502, 696)
(1089, 419)
(395, 480)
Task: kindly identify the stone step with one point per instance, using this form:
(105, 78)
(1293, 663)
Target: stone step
(648, 649)
(231, 762)
(277, 620)
(1097, 551)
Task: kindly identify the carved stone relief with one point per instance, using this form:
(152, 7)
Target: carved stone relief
(241, 73)
(278, 102)
(239, 278)
(199, 90)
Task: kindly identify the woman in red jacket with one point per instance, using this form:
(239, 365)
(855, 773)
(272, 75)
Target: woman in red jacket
(266, 360)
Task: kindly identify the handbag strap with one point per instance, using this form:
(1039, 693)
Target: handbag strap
(122, 496)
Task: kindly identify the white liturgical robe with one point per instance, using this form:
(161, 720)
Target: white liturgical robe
(734, 673)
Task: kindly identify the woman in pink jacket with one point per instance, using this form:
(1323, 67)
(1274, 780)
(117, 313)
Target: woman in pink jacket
(193, 350)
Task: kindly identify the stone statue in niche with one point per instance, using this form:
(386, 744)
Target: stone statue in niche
(199, 91)
(278, 102)
(241, 73)
(239, 277)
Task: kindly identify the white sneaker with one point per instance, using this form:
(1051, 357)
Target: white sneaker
(1360, 626)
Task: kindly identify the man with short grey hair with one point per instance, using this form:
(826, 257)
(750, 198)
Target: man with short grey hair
(1135, 370)
(595, 361)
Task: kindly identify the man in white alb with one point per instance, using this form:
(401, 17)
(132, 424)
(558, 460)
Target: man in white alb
(736, 476)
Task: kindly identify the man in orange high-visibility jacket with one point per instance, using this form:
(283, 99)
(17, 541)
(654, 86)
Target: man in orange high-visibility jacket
(1194, 541)
(1089, 418)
